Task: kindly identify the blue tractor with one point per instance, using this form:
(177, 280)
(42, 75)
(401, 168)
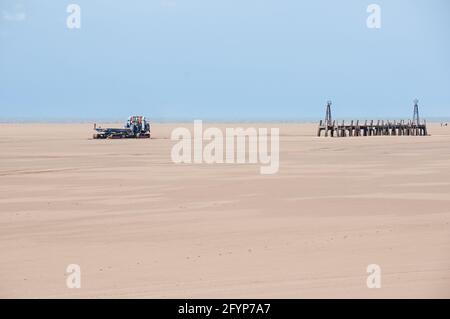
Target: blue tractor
(135, 127)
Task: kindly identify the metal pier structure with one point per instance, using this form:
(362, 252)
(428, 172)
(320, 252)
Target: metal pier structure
(414, 127)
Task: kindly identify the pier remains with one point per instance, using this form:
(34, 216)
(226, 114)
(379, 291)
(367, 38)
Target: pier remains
(414, 127)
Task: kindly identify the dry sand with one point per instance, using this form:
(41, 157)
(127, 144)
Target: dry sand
(141, 226)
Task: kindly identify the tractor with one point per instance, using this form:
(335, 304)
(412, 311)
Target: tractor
(135, 127)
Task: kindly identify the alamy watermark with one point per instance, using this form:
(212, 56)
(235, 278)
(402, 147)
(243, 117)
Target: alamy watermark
(374, 19)
(229, 148)
(73, 279)
(73, 20)
(374, 278)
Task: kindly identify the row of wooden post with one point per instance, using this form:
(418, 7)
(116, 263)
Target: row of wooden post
(381, 128)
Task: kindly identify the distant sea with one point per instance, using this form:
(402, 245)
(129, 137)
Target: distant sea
(207, 120)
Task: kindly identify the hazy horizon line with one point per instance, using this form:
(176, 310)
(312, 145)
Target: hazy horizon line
(65, 120)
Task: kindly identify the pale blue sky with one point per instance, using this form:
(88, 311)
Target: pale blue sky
(223, 59)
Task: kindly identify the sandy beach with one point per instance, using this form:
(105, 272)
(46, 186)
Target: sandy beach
(141, 226)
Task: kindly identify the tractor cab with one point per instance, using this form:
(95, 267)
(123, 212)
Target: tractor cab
(138, 125)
